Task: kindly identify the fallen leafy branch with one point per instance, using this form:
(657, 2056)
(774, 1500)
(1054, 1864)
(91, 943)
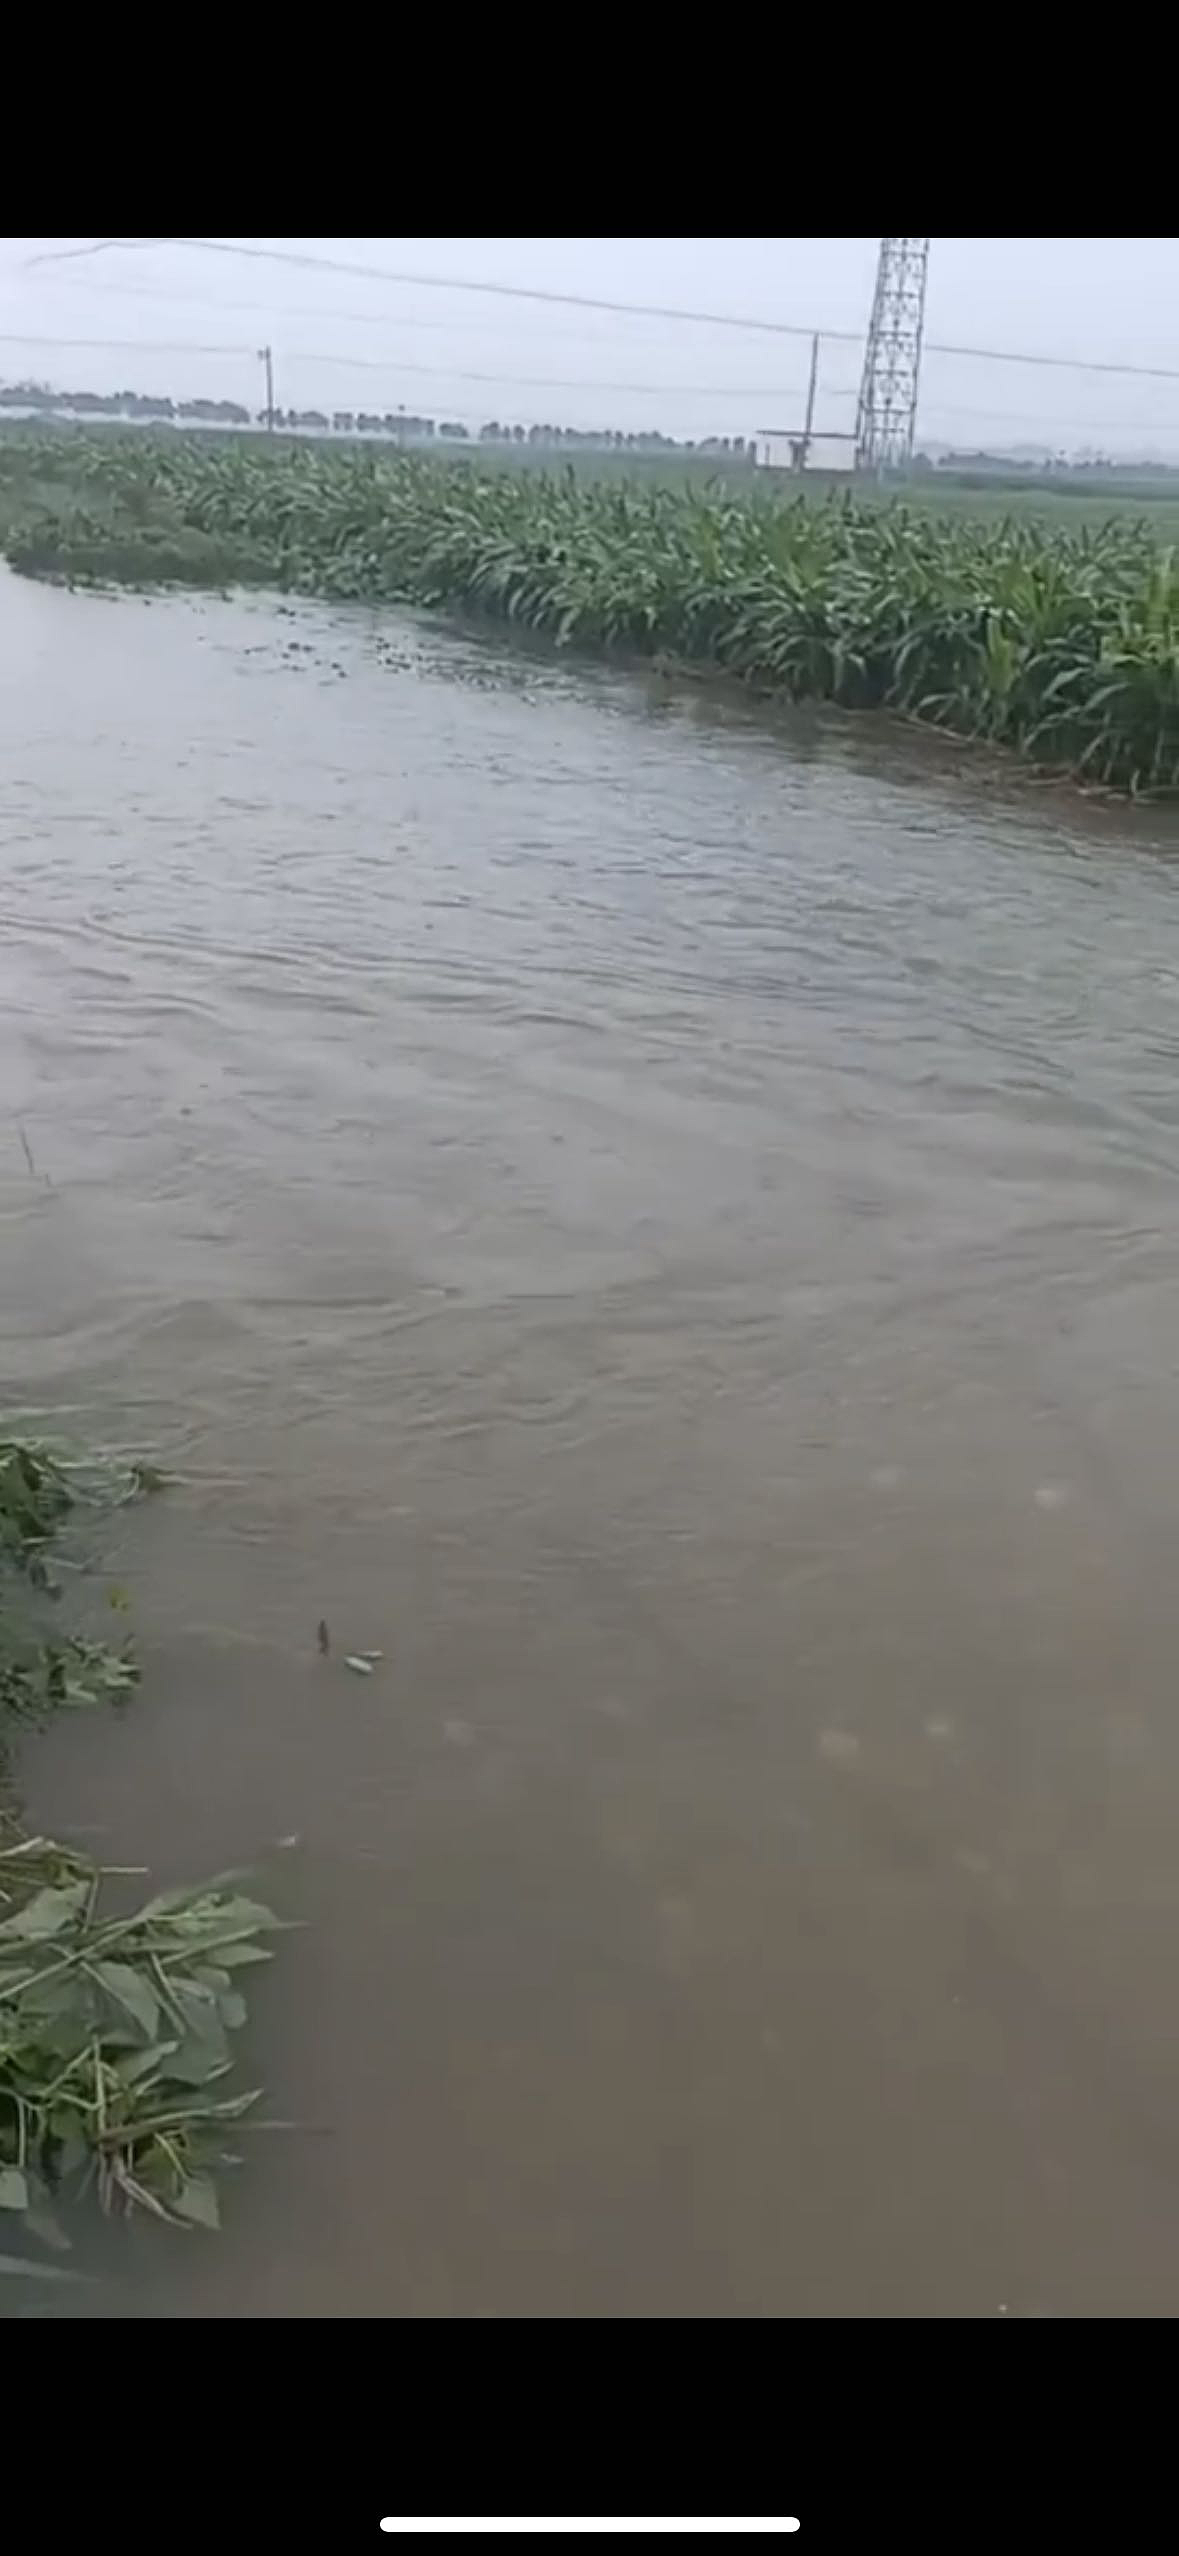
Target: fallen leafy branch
(114, 2038)
(115, 2025)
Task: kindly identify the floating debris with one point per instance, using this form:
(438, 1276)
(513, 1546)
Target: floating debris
(115, 2024)
(359, 1666)
(840, 1748)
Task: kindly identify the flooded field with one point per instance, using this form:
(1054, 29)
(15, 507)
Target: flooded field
(668, 1228)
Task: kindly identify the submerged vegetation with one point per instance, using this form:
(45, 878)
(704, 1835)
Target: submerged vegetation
(114, 2018)
(1062, 644)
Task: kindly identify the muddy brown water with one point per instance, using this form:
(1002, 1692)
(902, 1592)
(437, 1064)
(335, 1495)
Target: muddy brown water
(668, 1227)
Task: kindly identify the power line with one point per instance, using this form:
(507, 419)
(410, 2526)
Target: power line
(544, 333)
(1058, 363)
(1044, 417)
(307, 260)
(59, 257)
(932, 410)
(125, 345)
(552, 381)
(931, 407)
(451, 372)
(456, 284)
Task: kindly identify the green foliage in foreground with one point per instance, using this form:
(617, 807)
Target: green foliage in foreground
(41, 1666)
(114, 2038)
(1061, 643)
(114, 2023)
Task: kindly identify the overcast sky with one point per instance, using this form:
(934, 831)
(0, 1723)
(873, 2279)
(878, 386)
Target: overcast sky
(190, 321)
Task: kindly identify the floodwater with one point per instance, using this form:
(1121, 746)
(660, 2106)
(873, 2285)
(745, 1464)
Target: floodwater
(668, 1227)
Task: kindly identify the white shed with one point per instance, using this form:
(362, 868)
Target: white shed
(777, 448)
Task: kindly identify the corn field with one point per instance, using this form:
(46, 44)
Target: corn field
(1062, 645)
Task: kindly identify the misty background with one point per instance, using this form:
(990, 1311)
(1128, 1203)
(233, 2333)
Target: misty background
(189, 320)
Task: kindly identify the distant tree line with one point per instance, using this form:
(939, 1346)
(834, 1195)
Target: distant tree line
(650, 441)
(1026, 466)
(138, 404)
(142, 408)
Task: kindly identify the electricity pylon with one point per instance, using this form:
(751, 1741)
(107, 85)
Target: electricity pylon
(887, 411)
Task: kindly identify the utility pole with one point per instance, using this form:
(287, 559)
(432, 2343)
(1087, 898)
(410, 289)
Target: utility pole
(812, 387)
(266, 357)
(887, 413)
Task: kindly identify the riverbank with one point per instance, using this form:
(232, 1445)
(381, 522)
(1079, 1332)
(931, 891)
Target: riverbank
(1060, 645)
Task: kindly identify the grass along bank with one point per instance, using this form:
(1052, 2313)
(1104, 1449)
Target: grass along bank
(115, 2013)
(1059, 643)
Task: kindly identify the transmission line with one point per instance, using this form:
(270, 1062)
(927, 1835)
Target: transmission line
(310, 261)
(395, 370)
(434, 372)
(123, 345)
(456, 284)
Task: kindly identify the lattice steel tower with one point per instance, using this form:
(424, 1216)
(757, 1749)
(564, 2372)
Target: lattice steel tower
(887, 412)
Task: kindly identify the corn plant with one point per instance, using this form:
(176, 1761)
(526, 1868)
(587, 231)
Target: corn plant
(1060, 644)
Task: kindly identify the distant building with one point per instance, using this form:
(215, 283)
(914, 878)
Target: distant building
(779, 448)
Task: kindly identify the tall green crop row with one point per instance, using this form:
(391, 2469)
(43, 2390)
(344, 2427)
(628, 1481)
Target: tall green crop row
(1061, 644)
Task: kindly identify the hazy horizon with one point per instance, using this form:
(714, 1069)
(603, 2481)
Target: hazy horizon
(156, 317)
